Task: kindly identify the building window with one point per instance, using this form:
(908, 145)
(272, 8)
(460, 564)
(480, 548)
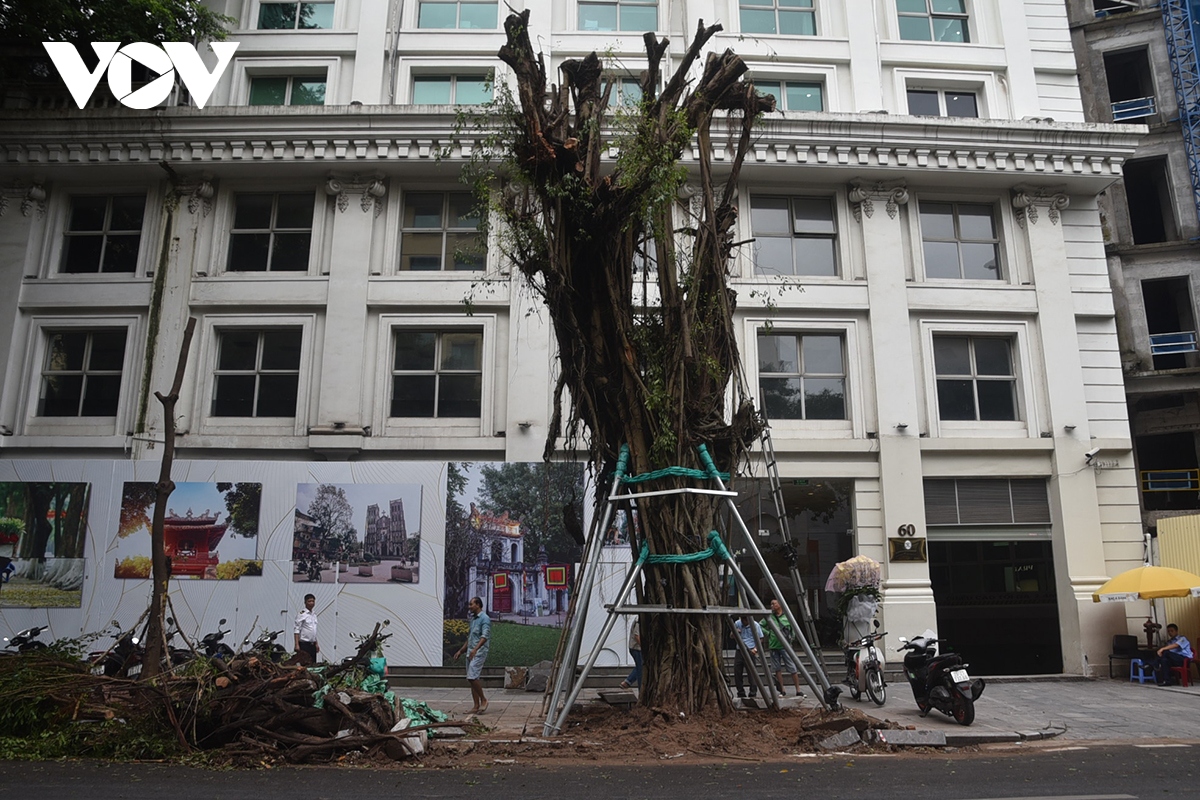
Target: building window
(1130, 85)
(793, 236)
(441, 232)
(287, 91)
(437, 374)
(787, 17)
(942, 103)
(1171, 322)
(1148, 191)
(960, 241)
(103, 234)
(802, 376)
(258, 373)
(626, 92)
(933, 20)
(795, 95)
(290, 16)
(271, 232)
(621, 15)
(82, 374)
(444, 90)
(976, 379)
(435, 14)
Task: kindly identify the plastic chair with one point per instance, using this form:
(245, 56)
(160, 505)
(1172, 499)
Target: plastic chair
(1140, 671)
(1124, 647)
(1185, 670)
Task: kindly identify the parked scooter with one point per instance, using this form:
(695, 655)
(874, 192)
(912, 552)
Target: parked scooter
(265, 646)
(26, 641)
(214, 647)
(864, 667)
(314, 571)
(940, 682)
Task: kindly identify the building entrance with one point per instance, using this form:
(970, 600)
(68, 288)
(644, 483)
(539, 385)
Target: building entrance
(996, 604)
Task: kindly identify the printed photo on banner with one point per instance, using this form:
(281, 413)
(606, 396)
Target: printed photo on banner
(210, 531)
(357, 533)
(43, 528)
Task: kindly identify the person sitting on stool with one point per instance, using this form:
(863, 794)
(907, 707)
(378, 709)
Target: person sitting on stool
(1172, 654)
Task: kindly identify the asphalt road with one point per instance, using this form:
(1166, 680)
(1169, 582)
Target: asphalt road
(1069, 772)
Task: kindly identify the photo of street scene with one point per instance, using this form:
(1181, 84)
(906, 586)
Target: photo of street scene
(514, 535)
(210, 531)
(357, 533)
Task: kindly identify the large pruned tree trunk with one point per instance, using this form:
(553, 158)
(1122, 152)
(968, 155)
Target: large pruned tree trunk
(641, 307)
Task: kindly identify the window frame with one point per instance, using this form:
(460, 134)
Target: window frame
(1007, 270)
(770, 85)
(941, 93)
(975, 377)
(271, 231)
(416, 19)
(930, 15)
(850, 331)
(617, 4)
(437, 372)
(289, 91)
(258, 7)
(838, 237)
(489, 76)
(775, 8)
(401, 230)
(802, 373)
(1030, 413)
(35, 354)
(981, 84)
(247, 69)
(419, 429)
(197, 405)
(65, 234)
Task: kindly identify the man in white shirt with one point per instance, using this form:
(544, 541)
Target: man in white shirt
(306, 629)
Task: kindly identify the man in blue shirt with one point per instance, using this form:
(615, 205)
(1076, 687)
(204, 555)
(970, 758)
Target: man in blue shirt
(1174, 653)
(477, 643)
(750, 633)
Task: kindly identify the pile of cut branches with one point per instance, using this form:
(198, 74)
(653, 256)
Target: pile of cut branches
(248, 707)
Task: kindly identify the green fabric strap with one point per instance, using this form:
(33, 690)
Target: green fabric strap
(716, 547)
(709, 471)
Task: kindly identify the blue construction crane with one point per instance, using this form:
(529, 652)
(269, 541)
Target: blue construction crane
(1179, 20)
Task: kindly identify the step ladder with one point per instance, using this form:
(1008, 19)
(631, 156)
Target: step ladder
(791, 553)
(566, 683)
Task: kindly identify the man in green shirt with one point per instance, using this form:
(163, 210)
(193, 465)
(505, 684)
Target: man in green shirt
(779, 657)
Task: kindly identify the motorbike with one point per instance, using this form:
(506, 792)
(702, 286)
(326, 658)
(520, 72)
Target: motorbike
(940, 681)
(314, 571)
(864, 667)
(26, 641)
(214, 647)
(265, 646)
(176, 655)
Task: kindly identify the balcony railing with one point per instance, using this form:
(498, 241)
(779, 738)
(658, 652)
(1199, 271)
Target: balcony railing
(1171, 480)
(1162, 344)
(1105, 7)
(1133, 109)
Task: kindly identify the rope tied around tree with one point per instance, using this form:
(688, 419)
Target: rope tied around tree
(716, 548)
(708, 473)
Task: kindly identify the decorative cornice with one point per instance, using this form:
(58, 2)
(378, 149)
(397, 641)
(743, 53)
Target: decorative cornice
(1027, 199)
(371, 186)
(862, 195)
(370, 140)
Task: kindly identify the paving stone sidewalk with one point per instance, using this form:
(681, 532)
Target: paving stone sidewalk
(1010, 709)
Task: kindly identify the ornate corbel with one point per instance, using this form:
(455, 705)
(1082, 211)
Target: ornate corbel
(862, 197)
(372, 187)
(33, 198)
(1027, 199)
(198, 189)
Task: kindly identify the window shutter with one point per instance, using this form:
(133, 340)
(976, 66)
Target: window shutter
(941, 504)
(1030, 501)
(984, 501)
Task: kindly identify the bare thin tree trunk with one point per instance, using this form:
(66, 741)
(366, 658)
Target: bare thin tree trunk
(160, 573)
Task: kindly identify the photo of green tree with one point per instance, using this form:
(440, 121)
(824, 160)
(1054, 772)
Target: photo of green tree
(43, 529)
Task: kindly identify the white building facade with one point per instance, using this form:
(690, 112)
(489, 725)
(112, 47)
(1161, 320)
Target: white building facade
(925, 312)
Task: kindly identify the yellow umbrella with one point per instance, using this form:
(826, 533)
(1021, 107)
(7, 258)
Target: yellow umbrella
(1148, 583)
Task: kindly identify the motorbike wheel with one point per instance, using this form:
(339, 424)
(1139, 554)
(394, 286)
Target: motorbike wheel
(963, 708)
(855, 692)
(875, 686)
